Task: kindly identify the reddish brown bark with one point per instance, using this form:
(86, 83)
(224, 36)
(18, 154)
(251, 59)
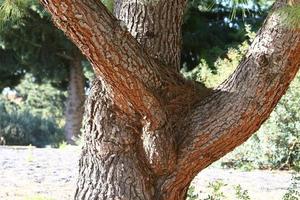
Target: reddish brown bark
(148, 131)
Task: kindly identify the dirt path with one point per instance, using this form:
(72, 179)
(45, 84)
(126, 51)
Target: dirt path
(26, 173)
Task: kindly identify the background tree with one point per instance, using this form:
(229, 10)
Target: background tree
(148, 130)
(31, 44)
(28, 119)
(210, 28)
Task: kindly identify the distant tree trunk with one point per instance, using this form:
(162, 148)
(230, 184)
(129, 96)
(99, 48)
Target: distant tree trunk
(75, 100)
(148, 131)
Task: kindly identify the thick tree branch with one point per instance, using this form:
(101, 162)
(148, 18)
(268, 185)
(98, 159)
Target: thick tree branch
(139, 85)
(116, 56)
(241, 104)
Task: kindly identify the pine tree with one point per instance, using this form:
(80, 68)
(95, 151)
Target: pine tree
(31, 44)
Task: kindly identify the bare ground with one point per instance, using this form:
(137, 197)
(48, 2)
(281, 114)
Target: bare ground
(27, 173)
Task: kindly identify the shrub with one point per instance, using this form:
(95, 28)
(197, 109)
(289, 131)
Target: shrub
(20, 127)
(32, 114)
(241, 193)
(293, 192)
(191, 194)
(216, 190)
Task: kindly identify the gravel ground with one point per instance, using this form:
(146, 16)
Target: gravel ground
(261, 185)
(31, 172)
(27, 172)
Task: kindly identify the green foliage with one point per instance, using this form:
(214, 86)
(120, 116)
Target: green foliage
(293, 192)
(20, 127)
(222, 67)
(63, 145)
(241, 194)
(29, 42)
(290, 16)
(216, 190)
(36, 119)
(208, 31)
(217, 187)
(11, 73)
(191, 194)
(12, 10)
(282, 129)
(109, 4)
(42, 98)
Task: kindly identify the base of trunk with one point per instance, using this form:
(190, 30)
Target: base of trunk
(110, 166)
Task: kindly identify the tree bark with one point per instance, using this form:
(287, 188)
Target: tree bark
(148, 131)
(156, 25)
(111, 166)
(75, 101)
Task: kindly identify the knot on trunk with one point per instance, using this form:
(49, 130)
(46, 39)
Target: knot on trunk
(160, 149)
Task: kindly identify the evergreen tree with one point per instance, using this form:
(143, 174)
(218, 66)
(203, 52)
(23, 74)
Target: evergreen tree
(31, 44)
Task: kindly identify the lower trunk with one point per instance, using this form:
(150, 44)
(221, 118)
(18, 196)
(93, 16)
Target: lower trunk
(74, 105)
(113, 164)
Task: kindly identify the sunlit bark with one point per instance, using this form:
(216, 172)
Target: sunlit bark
(148, 131)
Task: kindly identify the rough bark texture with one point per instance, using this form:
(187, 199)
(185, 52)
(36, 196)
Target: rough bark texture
(111, 166)
(148, 131)
(75, 101)
(156, 25)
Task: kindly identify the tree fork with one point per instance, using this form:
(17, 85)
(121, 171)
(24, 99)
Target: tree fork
(150, 121)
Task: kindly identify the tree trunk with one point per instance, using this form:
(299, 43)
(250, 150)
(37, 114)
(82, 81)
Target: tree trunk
(75, 101)
(110, 165)
(148, 131)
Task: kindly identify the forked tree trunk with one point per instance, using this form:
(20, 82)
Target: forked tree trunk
(75, 100)
(148, 131)
(111, 166)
